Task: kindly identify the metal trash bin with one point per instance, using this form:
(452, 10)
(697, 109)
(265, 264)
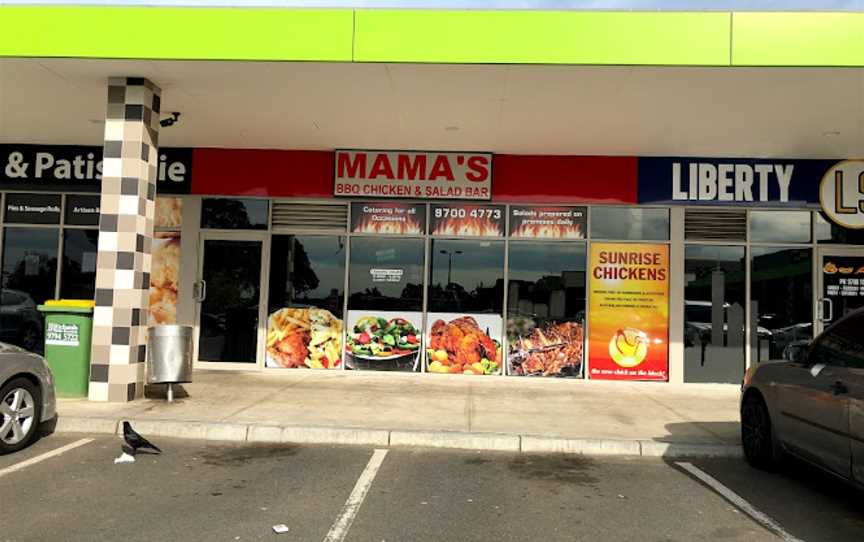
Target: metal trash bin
(169, 349)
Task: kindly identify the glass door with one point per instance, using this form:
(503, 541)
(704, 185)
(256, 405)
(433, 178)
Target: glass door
(841, 283)
(228, 292)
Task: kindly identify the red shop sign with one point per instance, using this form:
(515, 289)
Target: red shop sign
(416, 175)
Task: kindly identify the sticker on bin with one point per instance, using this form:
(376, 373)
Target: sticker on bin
(61, 334)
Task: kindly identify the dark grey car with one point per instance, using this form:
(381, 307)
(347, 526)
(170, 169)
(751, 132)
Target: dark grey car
(811, 405)
(26, 397)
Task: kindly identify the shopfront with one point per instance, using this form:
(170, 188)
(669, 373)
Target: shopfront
(663, 269)
(50, 228)
(772, 253)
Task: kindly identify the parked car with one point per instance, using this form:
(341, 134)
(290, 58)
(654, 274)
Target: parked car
(26, 397)
(810, 405)
(20, 321)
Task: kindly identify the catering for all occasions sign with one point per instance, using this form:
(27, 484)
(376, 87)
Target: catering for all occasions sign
(388, 218)
(420, 175)
(628, 311)
(465, 220)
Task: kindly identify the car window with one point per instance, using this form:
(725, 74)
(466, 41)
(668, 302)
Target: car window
(842, 345)
(9, 298)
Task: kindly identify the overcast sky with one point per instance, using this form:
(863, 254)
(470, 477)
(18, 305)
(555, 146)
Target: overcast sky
(721, 5)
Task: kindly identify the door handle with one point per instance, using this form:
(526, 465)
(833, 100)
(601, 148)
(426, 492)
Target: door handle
(838, 387)
(827, 315)
(200, 290)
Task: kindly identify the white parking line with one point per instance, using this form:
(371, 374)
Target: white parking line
(738, 501)
(42, 457)
(340, 527)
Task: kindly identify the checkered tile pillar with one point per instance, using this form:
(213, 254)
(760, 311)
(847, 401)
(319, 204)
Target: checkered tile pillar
(125, 233)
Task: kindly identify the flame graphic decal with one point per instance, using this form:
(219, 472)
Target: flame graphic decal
(480, 227)
(409, 226)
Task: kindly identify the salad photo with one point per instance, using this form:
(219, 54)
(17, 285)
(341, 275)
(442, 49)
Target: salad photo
(382, 341)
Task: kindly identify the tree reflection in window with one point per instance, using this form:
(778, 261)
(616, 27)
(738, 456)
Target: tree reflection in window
(467, 276)
(307, 271)
(386, 273)
(230, 214)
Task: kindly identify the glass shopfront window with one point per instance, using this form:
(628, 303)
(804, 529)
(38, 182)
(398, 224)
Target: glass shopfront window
(29, 278)
(780, 226)
(781, 297)
(234, 214)
(630, 223)
(512, 289)
(464, 325)
(829, 233)
(307, 290)
(466, 276)
(385, 304)
(546, 308)
(466, 306)
(714, 313)
(78, 276)
(386, 274)
(47, 251)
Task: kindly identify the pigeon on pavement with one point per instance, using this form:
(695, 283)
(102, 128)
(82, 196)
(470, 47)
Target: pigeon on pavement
(135, 441)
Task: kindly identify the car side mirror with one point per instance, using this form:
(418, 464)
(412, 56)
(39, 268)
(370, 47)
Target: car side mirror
(796, 352)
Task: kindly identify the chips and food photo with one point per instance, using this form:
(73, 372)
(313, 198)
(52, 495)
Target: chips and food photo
(304, 338)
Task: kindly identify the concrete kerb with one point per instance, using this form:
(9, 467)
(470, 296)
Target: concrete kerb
(457, 440)
(65, 424)
(255, 433)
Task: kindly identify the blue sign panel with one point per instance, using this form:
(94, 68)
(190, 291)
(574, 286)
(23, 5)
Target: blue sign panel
(732, 181)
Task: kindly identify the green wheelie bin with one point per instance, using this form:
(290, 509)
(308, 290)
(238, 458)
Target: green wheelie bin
(68, 331)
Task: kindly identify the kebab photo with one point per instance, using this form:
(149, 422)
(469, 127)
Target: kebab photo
(551, 349)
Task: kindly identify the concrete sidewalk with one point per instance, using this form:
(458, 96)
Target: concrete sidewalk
(513, 414)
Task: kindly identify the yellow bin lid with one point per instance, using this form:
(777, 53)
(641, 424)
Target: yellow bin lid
(76, 303)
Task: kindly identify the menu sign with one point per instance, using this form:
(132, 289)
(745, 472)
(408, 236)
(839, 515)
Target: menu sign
(388, 218)
(628, 311)
(423, 175)
(33, 208)
(467, 220)
(82, 210)
(843, 277)
(533, 222)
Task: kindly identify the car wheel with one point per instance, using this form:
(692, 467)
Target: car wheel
(20, 408)
(757, 435)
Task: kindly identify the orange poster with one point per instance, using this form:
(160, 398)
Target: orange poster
(628, 312)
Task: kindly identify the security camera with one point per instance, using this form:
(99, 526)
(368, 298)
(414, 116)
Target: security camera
(165, 123)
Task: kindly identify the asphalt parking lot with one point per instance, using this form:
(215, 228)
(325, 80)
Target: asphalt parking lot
(202, 490)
